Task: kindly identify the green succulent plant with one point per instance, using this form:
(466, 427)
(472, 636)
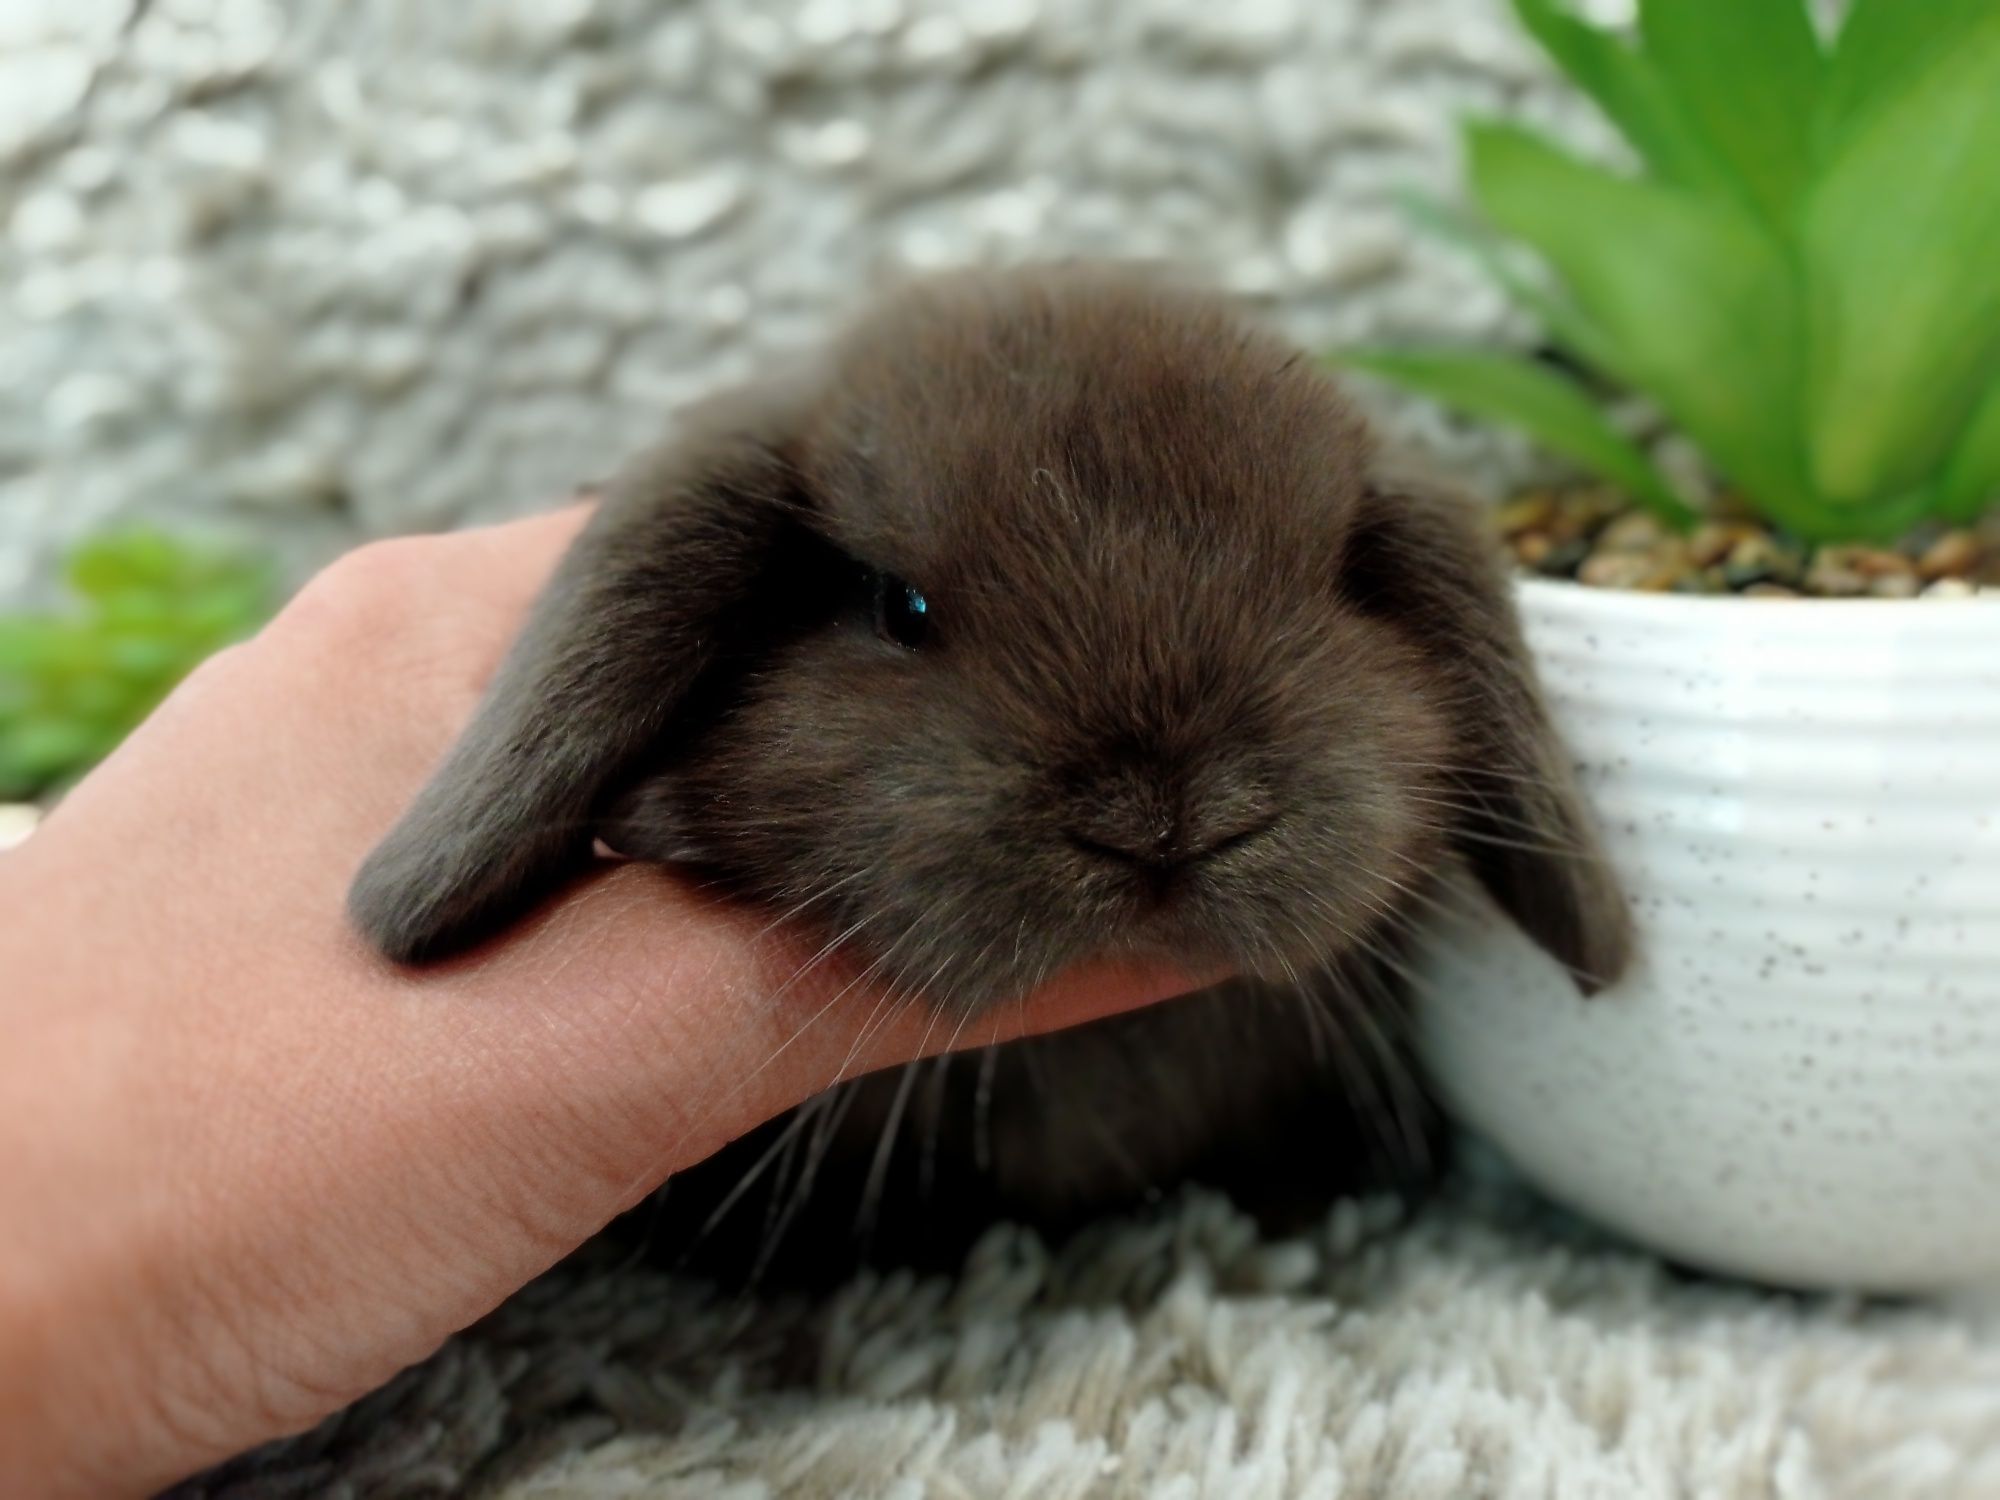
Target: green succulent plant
(75, 682)
(1802, 271)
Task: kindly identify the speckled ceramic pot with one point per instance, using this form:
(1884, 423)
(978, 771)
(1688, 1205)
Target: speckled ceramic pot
(1800, 1082)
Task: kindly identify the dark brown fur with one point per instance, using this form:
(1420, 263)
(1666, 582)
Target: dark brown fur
(1202, 682)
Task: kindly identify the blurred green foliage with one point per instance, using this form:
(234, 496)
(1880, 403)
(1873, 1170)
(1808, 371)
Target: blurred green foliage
(75, 681)
(1802, 271)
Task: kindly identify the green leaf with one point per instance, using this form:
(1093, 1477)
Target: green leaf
(73, 684)
(138, 613)
(1549, 407)
(108, 702)
(1971, 483)
(1563, 320)
(1748, 72)
(48, 649)
(1633, 96)
(149, 658)
(136, 563)
(37, 751)
(29, 642)
(1900, 241)
(1881, 46)
(1695, 296)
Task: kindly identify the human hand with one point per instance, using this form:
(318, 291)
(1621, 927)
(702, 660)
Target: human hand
(249, 1170)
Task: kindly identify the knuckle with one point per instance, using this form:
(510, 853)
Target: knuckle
(366, 595)
(378, 570)
(221, 665)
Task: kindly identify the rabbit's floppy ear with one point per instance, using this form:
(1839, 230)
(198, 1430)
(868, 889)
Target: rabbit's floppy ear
(1420, 556)
(609, 650)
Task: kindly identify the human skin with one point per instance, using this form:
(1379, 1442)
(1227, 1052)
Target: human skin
(248, 1171)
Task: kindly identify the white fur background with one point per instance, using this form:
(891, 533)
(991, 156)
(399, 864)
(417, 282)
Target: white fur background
(1478, 1349)
(314, 270)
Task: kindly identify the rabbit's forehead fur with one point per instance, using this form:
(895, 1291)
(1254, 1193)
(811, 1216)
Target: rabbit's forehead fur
(1005, 429)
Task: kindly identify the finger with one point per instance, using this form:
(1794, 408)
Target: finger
(673, 1021)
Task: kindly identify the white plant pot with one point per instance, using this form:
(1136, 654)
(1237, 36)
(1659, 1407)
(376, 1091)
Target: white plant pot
(1800, 1081)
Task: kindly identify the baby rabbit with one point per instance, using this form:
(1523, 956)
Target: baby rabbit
(1046, 615)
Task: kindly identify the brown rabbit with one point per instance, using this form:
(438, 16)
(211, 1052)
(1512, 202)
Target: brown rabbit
(1048, 614)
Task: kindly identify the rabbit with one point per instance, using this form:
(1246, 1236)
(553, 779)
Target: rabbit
(1043, 614)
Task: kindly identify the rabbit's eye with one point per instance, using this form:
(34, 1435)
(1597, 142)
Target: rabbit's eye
(902, 614)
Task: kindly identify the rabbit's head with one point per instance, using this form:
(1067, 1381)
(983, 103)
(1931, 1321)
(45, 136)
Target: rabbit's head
(1046, 615)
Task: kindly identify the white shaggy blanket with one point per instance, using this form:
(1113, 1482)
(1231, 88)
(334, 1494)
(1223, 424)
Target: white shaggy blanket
(1478, 1349)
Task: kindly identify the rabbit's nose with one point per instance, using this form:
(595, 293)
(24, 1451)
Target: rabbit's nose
(1160, 814)
(1155, 848)
(1163, 844)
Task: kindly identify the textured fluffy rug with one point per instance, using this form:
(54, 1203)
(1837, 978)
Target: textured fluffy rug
(1477, 1349)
